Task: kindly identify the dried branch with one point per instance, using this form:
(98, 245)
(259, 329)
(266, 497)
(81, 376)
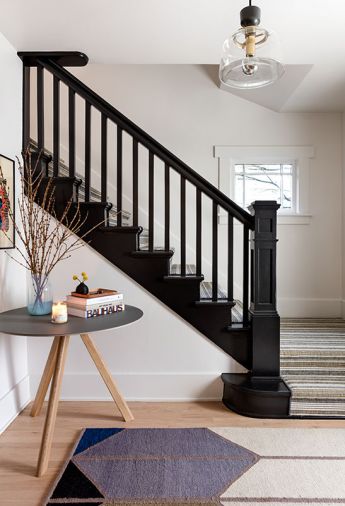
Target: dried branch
(46, 238)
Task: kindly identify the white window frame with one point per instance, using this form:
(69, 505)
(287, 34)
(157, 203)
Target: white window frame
(299, 156)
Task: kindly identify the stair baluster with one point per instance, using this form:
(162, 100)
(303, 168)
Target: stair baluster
(56, 126)
(104, 157)
(214, 251)
(151, 201)
(166, 207)
(119, 177)
(87, 150)
(135, 182)
(183, 226)
(40, 110)
(71, 131)
(26, 107)
(198, 231)
(230, 258)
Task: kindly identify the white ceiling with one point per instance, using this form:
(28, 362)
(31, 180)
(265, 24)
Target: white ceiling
(192, 31)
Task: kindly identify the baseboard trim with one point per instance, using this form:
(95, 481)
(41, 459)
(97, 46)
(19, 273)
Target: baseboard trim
(343, 309)
(12, 403)
(310, 308)
(146, 387)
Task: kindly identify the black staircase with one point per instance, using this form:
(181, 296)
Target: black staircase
(253, 342)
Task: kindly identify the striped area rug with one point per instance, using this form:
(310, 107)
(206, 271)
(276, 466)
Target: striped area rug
(313, 365)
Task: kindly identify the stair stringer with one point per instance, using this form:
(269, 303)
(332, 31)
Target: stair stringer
(151, 269)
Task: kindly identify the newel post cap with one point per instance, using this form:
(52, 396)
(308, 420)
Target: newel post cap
(261, 205)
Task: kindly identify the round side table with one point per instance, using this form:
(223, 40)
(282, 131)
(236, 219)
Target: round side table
(19, 322)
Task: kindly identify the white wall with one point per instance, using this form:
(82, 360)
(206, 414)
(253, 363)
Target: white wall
(14, 380)
(161, 357)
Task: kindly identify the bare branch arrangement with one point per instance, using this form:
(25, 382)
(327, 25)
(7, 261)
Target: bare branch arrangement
(46, 239)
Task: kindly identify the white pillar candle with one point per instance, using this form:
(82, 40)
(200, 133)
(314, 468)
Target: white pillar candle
(59, 312)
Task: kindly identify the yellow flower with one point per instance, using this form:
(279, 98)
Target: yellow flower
(85, 277)
(83, 274)
(75, 277)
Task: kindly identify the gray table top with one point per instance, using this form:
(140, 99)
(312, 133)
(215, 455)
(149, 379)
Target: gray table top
(18, 322)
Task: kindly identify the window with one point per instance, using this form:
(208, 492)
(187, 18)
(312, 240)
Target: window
(254, 181)
(282, 173)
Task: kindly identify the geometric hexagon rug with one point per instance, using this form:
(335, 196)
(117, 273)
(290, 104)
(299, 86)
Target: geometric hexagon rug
(204, 466)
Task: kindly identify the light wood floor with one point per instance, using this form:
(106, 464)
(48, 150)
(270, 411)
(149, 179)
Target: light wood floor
(19, 444)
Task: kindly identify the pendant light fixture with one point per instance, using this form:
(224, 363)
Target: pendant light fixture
(250, 56)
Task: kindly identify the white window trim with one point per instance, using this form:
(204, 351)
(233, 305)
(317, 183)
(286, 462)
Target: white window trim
(229, 156)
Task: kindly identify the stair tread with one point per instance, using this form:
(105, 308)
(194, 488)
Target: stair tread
(62, 178)
(152, 253)
(115, 228)
(219, 302)
(94, 204)
(156, 248)
(188, 277)
(238, 326)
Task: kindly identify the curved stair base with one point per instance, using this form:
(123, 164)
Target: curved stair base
(258, 397)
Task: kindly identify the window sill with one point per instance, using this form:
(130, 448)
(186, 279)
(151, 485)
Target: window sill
(282, 219)
(294, 219)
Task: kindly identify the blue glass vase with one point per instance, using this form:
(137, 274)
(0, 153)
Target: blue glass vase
(39, 294)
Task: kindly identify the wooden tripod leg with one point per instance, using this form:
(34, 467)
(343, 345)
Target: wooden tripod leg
(107, 378)
(54, 395)
(46, 378)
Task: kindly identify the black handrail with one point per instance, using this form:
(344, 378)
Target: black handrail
(149, 142)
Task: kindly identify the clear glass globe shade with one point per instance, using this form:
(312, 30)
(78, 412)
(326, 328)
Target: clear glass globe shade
(250, 72)
(239, 71)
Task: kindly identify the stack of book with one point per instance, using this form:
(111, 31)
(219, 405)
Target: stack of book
(100, 302)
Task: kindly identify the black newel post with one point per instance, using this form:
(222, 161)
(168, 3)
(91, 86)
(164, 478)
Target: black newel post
(263, 309)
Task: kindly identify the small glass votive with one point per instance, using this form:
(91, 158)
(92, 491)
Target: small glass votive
(59, 312)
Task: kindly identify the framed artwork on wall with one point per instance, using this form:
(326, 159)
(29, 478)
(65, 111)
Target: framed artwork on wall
(7, 204)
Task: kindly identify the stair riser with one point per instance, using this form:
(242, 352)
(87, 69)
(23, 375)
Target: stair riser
(63, 192)
(146, 271)
(39, 163)
(114, 245)
(176, 292)
(93, 215)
